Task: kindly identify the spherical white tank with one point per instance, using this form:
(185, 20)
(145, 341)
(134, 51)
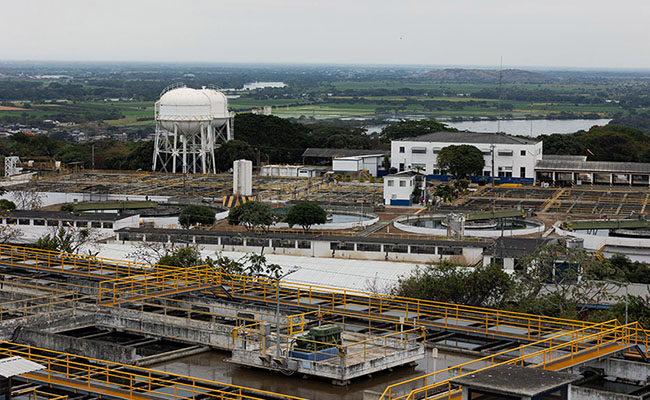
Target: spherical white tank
(188, 108)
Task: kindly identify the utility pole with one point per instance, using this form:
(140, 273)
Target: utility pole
(93, 155)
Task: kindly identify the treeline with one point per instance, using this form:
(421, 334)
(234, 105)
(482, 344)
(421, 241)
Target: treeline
(601, 143)
(261, 138)
(539, 95)
(277, 140)
(73, 113)
(109, 153)
(633, 119)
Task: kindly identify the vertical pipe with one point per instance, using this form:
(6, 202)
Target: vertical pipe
(174, 148)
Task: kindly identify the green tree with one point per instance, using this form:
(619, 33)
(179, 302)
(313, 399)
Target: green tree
(7, 204)
(444, 191)
(484, 286)
(68, 241)
(252, 215)
(196, 215)
(406, 129)
(181, 257)
(461, 160)
(231, 151)
(306, 214)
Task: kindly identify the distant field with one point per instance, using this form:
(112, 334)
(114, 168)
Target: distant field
(8, 108)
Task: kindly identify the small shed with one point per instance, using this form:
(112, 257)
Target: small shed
(514, 382)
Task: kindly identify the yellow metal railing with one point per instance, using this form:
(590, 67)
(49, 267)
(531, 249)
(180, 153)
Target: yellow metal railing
(370, 347)
(73, 264)
(555, 354)
(35, 394)
(157, 283)
(126, 381)
(389, 308)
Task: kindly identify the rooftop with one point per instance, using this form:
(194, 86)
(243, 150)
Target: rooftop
(469, 137)
(514, 380)
(403, 174)
(515, 247)
(592, 166)
(330, 153)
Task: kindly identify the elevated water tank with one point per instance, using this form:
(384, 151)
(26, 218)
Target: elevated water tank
(190, 125)
(187, 108)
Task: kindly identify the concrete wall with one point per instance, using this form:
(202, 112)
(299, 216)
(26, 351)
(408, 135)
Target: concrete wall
(629, 370)
(85, 347)
(49, 198)
(583, 393)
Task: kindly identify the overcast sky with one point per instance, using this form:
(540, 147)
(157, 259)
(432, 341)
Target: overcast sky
(545, 33)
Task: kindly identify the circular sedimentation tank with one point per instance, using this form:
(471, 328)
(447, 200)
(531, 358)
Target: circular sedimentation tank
(436, 225)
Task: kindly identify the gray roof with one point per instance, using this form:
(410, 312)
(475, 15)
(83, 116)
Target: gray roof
(515, 380)
(330, 153)
(403, 174)
(512, 247)
(593, 166)
(563, 157)
(469, 137)
(65, 216)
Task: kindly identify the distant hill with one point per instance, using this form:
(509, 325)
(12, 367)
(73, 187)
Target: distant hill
(486, 75)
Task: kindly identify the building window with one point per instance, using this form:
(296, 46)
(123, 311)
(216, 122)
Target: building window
(390, 182)
(402, 183)
(505, 153)
(401, 149)
(523, 153)
(401, 167)
(522, 172)
(423, 166)
(419, 150)
(487, 153)
(436, 151)
(487, 173)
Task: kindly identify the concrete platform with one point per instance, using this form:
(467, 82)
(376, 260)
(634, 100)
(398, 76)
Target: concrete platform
(364, 355)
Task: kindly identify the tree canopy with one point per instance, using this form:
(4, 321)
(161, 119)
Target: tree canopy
(461, 160)
(306, 214)
(252, 215)
(196, 215)
(405, 129)
(601, 143)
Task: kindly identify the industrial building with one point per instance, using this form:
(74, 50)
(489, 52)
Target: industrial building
(508, 157)
(576, 170)
(398, 188)
(372, 163)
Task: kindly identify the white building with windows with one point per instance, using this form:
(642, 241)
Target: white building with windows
(398, 188)
(514, 157)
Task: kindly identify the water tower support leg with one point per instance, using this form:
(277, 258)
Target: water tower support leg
(175, 149)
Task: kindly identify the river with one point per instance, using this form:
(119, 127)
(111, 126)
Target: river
(533, 127)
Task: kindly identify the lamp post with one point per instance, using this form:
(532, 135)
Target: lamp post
(626, 295)
(277, 304)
